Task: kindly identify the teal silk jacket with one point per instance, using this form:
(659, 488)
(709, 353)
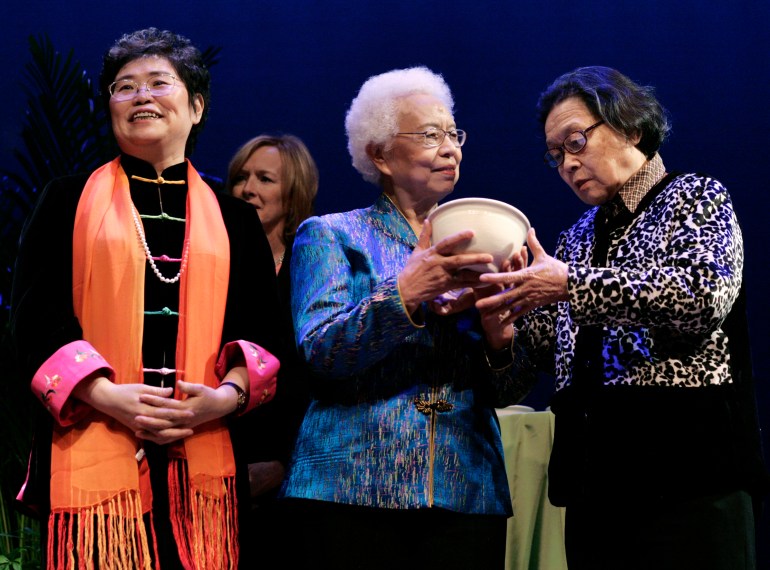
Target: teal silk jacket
(402, 414)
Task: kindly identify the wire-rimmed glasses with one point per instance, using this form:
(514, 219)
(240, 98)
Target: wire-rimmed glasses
(573, 144)
(433, 136)
(157, 86)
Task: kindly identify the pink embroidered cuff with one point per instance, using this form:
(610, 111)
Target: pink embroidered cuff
(57, 377)
(261, 365)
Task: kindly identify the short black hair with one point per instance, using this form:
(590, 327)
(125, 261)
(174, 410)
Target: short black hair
(178, 50)
(624, 105)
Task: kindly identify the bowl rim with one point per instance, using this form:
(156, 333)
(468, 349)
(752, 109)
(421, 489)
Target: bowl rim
(485, 201)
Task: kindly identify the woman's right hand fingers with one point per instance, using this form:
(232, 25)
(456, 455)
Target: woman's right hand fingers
(453, 260)
(448, 245)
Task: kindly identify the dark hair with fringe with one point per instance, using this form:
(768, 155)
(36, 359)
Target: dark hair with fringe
(624, 105)
(178, 50)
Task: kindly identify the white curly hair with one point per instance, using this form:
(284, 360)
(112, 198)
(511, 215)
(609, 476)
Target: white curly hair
(373, 114)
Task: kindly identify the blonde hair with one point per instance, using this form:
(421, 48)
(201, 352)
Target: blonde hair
(299, 176)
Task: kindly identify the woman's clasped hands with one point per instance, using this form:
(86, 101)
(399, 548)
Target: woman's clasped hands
(152, 413)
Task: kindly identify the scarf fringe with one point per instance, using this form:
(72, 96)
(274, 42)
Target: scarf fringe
(111, 534)
(203, 518)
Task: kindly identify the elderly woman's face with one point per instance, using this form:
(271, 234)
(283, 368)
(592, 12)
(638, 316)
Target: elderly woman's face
(146, 125)
(423, 172)
(608, 160)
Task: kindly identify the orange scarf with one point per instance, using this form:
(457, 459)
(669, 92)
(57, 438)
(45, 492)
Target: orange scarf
(98, 488)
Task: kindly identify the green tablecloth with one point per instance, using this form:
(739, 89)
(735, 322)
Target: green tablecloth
(536, 532)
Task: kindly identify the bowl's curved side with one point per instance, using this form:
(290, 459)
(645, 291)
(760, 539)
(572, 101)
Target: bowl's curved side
(497, 231)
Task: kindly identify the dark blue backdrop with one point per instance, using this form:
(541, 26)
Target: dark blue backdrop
(293, 66)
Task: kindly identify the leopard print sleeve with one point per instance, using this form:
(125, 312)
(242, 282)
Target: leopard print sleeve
(678, 265)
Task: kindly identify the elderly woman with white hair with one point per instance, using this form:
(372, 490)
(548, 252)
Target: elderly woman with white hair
(399, 459)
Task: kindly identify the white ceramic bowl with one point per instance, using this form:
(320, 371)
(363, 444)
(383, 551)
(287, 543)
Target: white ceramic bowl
(498, 228)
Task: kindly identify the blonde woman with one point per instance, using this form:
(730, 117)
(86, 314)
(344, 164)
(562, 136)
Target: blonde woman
(278, 176)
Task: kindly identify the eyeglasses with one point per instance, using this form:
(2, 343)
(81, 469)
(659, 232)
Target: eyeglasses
(157, 86)
(573, 144)
(434, 137)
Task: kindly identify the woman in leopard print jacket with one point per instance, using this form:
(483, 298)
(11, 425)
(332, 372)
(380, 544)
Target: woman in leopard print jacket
(640, 316)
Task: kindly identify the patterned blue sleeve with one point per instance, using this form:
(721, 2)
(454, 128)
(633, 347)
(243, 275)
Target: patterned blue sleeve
(347, 314)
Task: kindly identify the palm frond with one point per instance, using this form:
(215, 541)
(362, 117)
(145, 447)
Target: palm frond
(210, 55)
(65, 127)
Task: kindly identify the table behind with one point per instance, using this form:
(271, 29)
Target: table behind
(535, 539)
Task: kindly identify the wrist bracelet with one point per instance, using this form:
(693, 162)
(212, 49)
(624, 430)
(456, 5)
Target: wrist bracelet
(242, 399)
(498, 355)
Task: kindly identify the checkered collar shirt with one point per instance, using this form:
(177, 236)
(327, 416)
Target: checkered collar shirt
(631, 193)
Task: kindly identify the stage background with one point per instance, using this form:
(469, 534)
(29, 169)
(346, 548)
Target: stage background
(293, 66)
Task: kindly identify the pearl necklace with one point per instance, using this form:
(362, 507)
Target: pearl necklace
(148, 255)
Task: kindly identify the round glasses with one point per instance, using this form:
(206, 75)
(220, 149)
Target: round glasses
(157, 86)
(434, 137)
(573, 144)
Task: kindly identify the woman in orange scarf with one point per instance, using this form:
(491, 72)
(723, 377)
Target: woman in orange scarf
(142, 301)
